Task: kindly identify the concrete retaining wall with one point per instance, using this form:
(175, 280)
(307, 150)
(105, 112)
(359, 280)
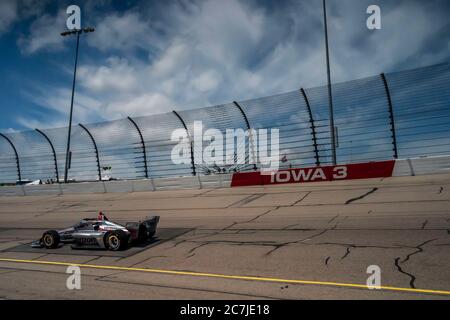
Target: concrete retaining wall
(198, 182)
(419, 166)
(403, 167)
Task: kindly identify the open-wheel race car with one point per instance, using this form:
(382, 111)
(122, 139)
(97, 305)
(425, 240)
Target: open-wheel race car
(99, 233)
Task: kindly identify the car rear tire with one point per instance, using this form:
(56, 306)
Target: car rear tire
(116, 240)
(51, 239)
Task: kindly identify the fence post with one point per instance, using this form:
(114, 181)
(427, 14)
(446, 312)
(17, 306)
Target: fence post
(17, 156)
(143, 145)
(190, 140)
(250, 135)
(54, 153)
(391, 116)
(313, 127)
(96, 151)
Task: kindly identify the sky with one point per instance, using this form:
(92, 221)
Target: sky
(149, 57)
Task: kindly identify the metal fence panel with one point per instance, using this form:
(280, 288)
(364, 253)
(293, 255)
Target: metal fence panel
(8, 167)
(288, 112)
(221, 117)
(35, 155)
(120, 149)
(83, 165)
(421, 101)
(157, 131)
(404, 114)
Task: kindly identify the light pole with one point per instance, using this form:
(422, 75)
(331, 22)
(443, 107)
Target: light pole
(67, 33)
(330, 96)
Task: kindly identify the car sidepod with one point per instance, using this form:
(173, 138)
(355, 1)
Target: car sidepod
(89, 239)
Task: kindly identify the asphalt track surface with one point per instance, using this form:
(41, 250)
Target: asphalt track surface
(296, 241)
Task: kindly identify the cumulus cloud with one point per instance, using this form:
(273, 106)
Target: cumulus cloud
(8, 130)
(124, 32)
(206, 81)
(140, 105)
(58, 103)
(118, 74)
(43, 35)
(407, 26)
(40, 124)
(192, 54)
(8, 14)
(12, 11)
(208, 54)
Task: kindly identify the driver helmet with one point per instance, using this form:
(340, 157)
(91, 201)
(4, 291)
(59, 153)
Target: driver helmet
(101, 216)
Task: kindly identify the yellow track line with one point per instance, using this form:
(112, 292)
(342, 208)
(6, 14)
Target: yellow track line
(223, 276)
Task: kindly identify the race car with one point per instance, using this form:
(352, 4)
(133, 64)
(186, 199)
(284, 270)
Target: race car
(99, 233)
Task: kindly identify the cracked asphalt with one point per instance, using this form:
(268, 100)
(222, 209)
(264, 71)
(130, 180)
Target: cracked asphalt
(329, 232)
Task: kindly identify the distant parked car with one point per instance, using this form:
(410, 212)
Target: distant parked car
(22, 182)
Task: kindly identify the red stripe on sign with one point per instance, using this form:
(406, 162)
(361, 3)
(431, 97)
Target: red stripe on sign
(367, 170)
